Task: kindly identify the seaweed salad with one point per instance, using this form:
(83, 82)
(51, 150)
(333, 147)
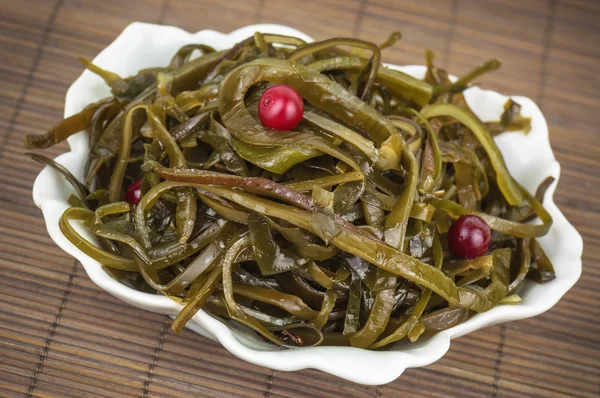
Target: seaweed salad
(305, 191)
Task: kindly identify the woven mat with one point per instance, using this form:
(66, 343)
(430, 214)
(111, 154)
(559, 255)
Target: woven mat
(61, 336)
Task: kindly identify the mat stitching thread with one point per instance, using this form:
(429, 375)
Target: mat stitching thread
(259, 10)
(546, 51)
(29, 79)
(46, 348)
(499, 362)
(359, 18)
(270, 379)
(163, 12)
(270, 383)
(450, 37)
(157, 350)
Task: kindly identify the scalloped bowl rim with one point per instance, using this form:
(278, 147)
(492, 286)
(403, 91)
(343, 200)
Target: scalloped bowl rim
(563, 243)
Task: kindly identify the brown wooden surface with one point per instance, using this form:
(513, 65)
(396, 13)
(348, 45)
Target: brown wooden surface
(61, 336)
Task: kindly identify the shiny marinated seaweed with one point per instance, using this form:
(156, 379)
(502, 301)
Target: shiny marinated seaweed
(334, 233)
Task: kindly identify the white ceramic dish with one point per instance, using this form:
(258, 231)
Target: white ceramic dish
(529, 159)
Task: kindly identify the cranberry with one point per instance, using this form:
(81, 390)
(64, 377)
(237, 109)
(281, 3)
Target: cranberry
(280, 107)
(469, 236)
(134, 192)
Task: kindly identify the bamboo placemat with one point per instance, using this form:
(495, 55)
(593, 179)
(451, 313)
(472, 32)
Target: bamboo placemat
(61, 336)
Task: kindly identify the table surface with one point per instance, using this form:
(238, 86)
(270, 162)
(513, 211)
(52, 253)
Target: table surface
(61, 336)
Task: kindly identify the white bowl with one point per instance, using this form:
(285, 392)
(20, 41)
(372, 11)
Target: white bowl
(529, 159)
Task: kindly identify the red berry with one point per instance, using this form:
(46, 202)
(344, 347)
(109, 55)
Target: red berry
(469, 236)
(280, 107)
(134, 192)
